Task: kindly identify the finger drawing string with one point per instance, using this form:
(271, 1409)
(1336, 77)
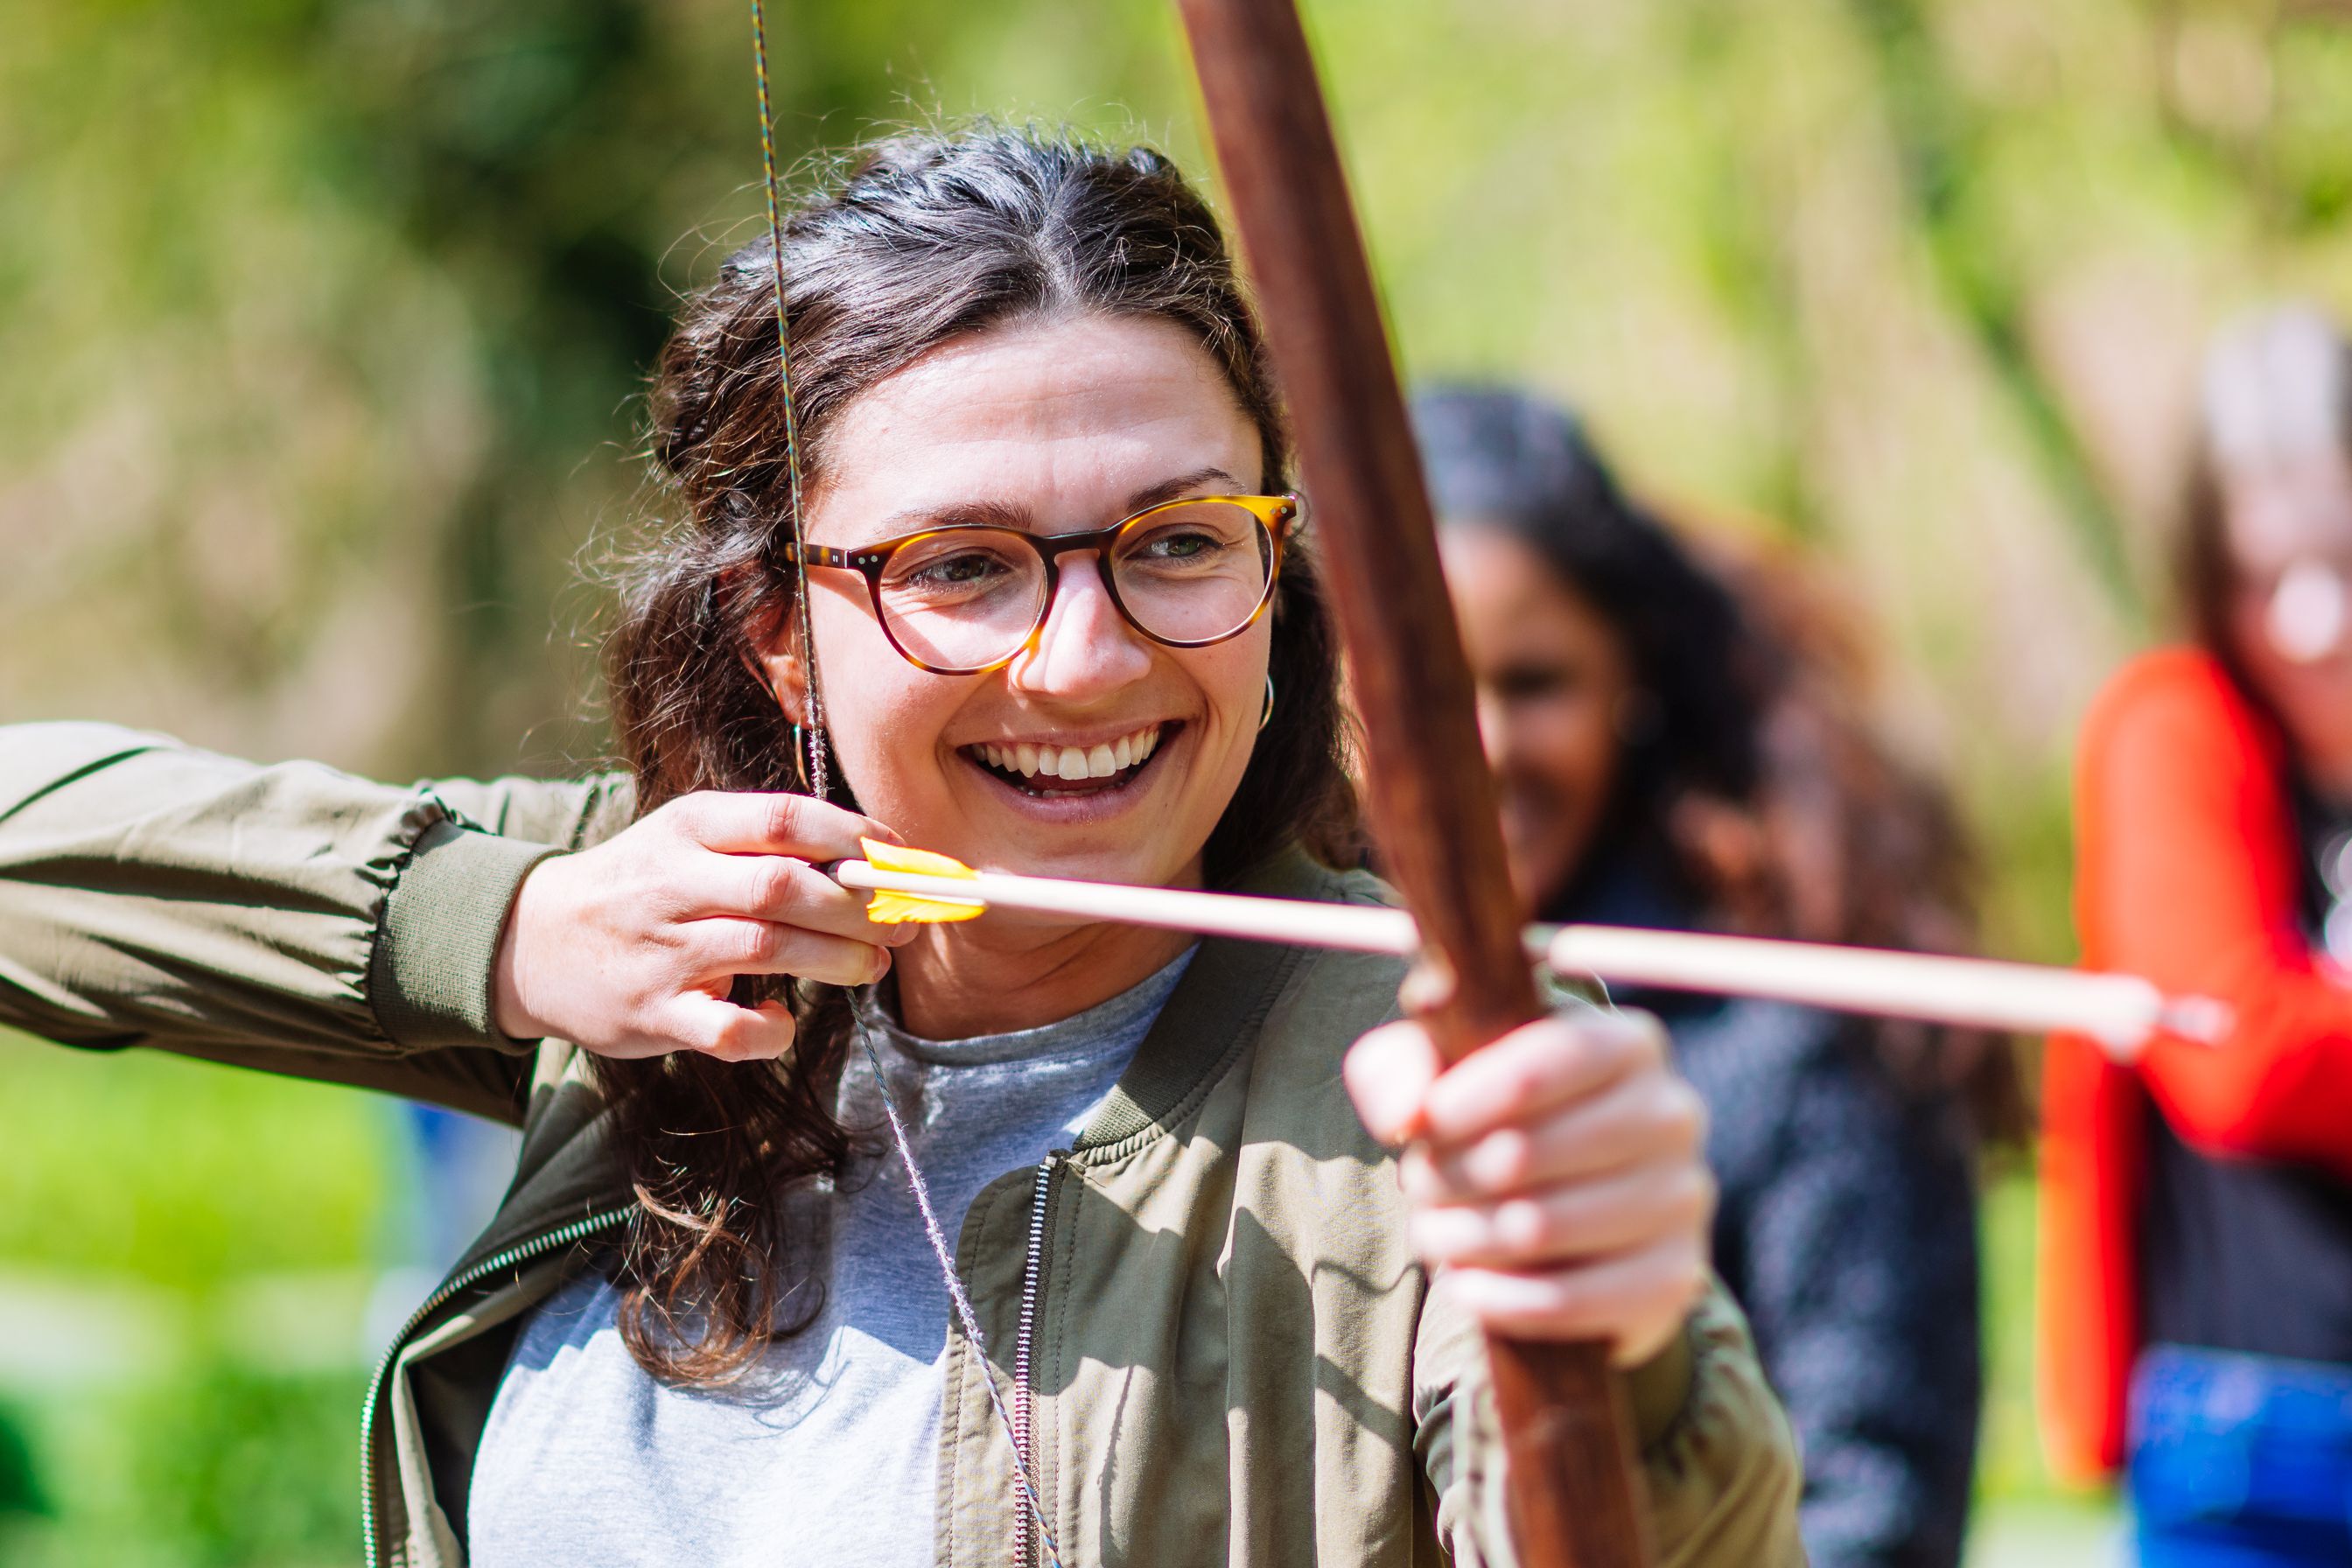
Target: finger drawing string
(819, 780)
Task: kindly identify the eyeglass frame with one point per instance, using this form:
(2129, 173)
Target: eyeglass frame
(1278, 514)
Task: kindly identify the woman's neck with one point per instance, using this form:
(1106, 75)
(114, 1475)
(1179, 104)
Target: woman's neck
(991, 978)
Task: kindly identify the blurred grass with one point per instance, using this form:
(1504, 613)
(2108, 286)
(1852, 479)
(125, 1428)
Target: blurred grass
(2009, 1463)
(213, 1464)
(179, 1173)
(2023, 1517)
(150, 1417)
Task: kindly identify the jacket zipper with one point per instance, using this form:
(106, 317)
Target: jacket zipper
(1033, 1270)
(521, 1252)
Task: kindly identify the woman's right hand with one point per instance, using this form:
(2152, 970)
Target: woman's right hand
(629, 949)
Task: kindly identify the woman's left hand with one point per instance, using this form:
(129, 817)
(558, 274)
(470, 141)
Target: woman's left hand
(1554, 1177)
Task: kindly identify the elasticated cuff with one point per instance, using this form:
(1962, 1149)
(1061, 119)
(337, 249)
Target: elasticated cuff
(430, 977)
(1659, 1388)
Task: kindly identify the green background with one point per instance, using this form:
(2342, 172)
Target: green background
(325, 324)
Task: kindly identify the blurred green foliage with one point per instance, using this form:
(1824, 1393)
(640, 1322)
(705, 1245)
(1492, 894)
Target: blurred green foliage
(209, 1464)
(166, 1405)
(327, 321)
(340, 308)
(182, 1175)
(22, 1496)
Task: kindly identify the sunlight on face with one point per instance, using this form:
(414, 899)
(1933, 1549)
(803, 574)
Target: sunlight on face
(1056, 426)
(1551, 677)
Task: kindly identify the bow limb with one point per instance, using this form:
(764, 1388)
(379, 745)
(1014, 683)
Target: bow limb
(1575, 1495)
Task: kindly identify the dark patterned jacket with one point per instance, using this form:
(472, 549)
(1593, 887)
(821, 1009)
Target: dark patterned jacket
(1847, 1231)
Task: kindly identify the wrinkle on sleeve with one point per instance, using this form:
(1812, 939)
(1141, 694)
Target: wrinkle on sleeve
(1718, 1461)
(153, 894)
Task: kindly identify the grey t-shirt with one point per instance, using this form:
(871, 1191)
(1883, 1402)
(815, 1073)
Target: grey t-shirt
(830, 1452)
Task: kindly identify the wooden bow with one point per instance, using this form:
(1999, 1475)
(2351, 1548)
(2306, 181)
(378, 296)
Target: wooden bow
(1575, 1497)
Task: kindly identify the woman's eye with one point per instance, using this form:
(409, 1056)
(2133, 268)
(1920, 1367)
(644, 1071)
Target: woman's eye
(1182, 546)
(959, 570)
(1533, 683)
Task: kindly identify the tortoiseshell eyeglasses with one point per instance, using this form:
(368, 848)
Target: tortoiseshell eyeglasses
(967, 598)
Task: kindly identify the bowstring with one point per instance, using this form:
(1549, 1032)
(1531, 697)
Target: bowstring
(818, 781)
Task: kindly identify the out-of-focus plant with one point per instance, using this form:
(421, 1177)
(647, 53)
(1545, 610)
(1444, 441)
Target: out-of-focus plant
(234, 1467)
(330, 317)
(22, 1497)
(211, 1463)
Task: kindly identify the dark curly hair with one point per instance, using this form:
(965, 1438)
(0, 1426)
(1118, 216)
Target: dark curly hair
(1755, 778)
(922, 237)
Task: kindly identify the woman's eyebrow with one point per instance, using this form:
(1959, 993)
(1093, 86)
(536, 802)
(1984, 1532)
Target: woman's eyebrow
(1170, 489)
(914, 519)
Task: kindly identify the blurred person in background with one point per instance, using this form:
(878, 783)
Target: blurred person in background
(1678, 746)
(2197, 1207)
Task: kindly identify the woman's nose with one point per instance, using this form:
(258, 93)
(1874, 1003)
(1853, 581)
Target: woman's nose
(1086, 648)
(1494, 729)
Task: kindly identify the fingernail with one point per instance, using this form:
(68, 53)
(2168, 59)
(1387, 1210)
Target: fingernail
(1497, 1161)
(1416, 1180)
(1440, 1234)
(1518, 1226)
(1428, 986)
(1387, 1119)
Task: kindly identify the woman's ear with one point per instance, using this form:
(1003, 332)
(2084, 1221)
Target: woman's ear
(772, 654)
(780, 670)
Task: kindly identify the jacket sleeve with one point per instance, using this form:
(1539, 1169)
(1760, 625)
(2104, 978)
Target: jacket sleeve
(1717, 1460)
(291, 918)
(2188, 874)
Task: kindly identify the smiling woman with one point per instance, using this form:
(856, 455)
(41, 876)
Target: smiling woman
(1175, 1253)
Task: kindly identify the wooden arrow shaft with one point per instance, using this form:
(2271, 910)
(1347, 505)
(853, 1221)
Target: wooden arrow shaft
(2121, 1012)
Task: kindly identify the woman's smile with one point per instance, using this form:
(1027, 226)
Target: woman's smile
(1074, 776)
(1071, 763)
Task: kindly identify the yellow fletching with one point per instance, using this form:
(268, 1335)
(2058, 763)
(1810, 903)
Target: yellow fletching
(914, 862)
(890, 908)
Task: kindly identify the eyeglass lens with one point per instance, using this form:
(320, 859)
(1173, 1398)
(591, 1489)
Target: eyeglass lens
(968, 598)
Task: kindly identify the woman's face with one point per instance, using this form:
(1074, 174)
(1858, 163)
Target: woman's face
(1551, 680)
(1056, 426)
(2289, 529)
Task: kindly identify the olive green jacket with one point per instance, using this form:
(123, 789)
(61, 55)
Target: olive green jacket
(1232, 1357)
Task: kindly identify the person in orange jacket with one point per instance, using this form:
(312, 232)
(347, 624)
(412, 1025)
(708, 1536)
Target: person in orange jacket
(2197, 1204)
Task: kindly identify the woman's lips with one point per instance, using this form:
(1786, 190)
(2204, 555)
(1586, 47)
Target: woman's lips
(1041, 769)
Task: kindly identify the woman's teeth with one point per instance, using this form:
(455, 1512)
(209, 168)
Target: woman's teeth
(1098, 762)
